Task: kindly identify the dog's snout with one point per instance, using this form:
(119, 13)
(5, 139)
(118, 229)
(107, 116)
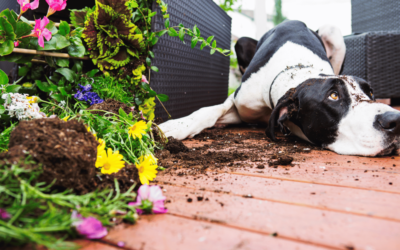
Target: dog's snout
(390, 122)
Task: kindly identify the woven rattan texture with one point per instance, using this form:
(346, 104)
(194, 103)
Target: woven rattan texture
(383, 63)
(356, 56)
(192, 78)
(375, 57)
(9, 4)
(375, 15)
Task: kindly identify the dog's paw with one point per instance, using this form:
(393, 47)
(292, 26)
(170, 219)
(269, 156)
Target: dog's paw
(179, 129)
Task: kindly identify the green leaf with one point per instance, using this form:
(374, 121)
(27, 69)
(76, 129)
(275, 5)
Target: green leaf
(172, 32)
(57, 97)
(182, 34)
(23, 29)
(167, 23)
(154, 41)
(148, 61)
(154, 68)
(194, 41)
(68, 74)
(9, 17)
(13, 88)
(62, 41)
(76, 49)
(64, 28)
(122, 113)
(43, 86)
(48, 45)
(161, 33)
(212, 51)
(50, 61)
(52, 27)
(6, 48)
(92, 73)
(3, 78)
(195, 30)
(6, 31)
(78, 66)
(204, 44)
(23, 71)
(226, 51)
(163, 98)
(151, 54)
(62, 62)
(214, 44)
(210, 39)
(62, 91)
(2, 109)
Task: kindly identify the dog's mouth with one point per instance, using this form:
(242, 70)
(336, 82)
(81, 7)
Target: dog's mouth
(392, 149)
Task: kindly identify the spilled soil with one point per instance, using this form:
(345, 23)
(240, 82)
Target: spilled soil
(111, 106)
(221, 149)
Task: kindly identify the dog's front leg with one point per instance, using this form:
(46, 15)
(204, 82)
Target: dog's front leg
(201, 119)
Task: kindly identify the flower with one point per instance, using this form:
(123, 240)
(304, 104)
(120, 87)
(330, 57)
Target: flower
(26, 4)
(149, 200)
(32, 99)
(40, 31)
(21, 106)
(65, 119)
(144, 79)
(138, 129)
(4, 215)
(90, 97)
(147, 169)
(55, 5)
(109, 162)
(16, 44)
(89, 227)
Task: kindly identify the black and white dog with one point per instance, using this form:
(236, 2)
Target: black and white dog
(291, 83)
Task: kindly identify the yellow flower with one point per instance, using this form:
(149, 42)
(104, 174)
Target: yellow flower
(137, 130)
(66, 118)
(101, 149)
(109, 162)
(148, 108)
(147, 169)
(32, 99)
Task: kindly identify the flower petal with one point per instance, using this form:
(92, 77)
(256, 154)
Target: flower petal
(41, 41)
(34, 4)
(47, 34)
(43, 23)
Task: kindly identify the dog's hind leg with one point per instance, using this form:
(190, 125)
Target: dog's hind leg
(201, 119)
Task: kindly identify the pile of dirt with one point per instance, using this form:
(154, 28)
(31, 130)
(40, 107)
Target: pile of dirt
(175, 146)
(111, 106)
(126, 177)
(66, 151)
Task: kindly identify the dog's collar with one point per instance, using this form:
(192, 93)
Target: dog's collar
(300, 66)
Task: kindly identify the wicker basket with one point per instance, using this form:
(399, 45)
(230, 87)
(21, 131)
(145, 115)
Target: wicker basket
(192, 78)
(375, 15)
(375, 57)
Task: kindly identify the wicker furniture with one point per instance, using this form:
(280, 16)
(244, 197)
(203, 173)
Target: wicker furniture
(192, 78)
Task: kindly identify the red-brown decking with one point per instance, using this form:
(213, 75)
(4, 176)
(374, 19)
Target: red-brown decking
(326, 201)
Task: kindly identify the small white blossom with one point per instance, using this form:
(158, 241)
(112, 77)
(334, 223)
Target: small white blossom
(20, 107)
(62, 104)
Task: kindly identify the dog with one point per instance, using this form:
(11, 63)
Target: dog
(290, 83)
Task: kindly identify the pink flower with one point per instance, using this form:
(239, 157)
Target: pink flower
(132, 109)
(141, 115)
(26, 4)
(40, 31)
(4, 215)
(55, 5)
(16, 44)
(150, 199)
(144, 79)
(89, 227)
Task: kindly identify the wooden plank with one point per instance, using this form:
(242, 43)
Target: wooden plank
(166, 232)
(317, 227)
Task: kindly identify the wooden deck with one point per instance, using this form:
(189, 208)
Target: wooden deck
(325, 201)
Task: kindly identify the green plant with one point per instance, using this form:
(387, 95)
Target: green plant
(5, 137)
(227, 4)
(278, 17)
(37, 213)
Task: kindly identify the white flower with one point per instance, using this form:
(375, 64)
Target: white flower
(18, 106)
(62, 104)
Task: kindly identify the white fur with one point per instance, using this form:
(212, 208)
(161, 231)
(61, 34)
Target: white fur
(334, 45)
(356, 133)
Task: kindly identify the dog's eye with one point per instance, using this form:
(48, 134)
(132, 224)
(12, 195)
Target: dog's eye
(334, 96)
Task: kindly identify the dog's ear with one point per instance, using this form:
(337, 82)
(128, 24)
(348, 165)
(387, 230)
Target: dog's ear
(286, 108)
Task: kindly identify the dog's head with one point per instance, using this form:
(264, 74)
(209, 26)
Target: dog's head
(338, 113)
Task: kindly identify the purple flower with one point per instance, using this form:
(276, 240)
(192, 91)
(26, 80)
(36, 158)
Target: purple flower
(89, 97)
(4, 215)
(89, 227)
(149, 200)
(86, 87)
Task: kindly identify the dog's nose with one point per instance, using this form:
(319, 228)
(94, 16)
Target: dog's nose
(390, 122)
